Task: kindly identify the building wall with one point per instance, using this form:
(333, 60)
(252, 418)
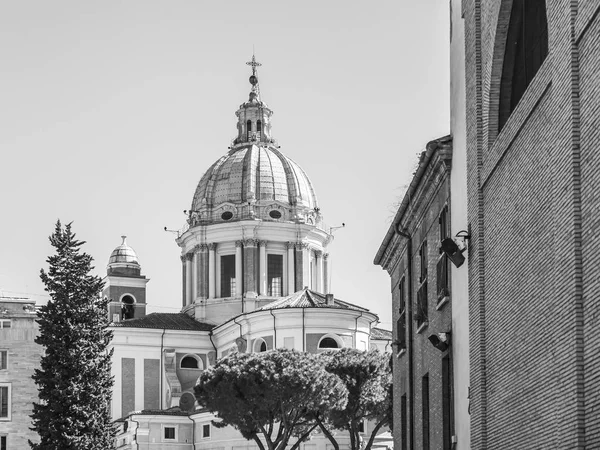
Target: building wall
(459, 221)
(532, 208)
(23, 357)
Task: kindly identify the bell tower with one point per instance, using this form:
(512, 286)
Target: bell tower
(124, 285)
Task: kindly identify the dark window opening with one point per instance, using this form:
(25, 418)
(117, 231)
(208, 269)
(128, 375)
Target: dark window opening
(258, 128)
(227, 215)
(425, 410)
(3, 359)
(403, 423)
(401, 322)
(169, 433)
(525, 51)
(263, 347)
(3, 445)
(128, 307)
(423, 262)
(275, 214)
(328, 343)
(205, 431)
(248, 129)
(189, 362)
(275, 275)
(3, 401)
(361, 426)
(443, 222)
(421, 314)
(446, 403)
(227, 275)
(442, 277)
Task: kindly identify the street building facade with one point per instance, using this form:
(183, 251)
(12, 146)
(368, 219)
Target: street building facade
(423, 298)
(19, 356)
(532, 123)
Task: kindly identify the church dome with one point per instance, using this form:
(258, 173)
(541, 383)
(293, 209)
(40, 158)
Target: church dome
(124, 259)
(254, 173)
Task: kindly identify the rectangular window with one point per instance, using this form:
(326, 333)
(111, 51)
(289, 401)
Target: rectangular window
(275, 275)
(3, 359)
(169, 433)
(442, 277)
(227, 275)
(7, 323)
(421, 313)
(447, 402)
(206, 431)
(3, 444)
(425, 410)
(5, 402)
(361, 427)
(443, 221)
(423, 260)
(403, 423)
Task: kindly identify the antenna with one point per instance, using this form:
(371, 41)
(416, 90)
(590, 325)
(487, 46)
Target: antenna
(332, 229)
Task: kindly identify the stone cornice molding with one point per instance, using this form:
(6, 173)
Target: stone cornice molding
(212, 246)
(239, 243)
(250, 242)
(189, 256)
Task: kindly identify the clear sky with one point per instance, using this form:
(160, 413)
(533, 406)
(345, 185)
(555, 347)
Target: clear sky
(111, 111)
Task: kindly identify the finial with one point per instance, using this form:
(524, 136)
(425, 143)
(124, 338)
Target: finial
(254, 64)
(124, 240)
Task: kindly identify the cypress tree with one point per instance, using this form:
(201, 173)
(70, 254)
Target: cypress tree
(74, 379)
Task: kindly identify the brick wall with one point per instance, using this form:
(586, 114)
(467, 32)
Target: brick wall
(532, 207)
(23, 357)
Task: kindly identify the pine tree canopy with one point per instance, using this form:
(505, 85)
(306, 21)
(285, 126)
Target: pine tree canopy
(74, 379)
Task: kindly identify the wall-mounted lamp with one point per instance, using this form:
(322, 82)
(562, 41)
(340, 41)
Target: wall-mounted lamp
(441, 341)
(452, 249)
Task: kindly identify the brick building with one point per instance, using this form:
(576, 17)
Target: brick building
(19, 355)
(422, 305)
(533, 123)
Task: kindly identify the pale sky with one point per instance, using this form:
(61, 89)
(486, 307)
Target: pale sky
(111, 111)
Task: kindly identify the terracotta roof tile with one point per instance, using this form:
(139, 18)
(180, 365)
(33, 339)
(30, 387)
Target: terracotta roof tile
(309, 299)
(170, 321)
(380, 333)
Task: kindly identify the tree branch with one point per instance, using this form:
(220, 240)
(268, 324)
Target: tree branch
(374, 434)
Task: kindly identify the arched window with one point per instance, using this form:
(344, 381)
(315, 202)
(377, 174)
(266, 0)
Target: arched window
(248, 129)
(328, 343)
(525, 50)
(258, 127)
(190, 362)
(127, 307)
(260, 345)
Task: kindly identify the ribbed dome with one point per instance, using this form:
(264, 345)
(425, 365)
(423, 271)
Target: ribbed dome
(123, 254)
(251, 173)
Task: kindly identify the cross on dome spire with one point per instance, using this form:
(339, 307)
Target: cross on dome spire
(254, 64)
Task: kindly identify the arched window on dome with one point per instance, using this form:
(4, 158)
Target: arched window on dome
(191, 362)
(258, 128)
(525, 50)
(248, 129)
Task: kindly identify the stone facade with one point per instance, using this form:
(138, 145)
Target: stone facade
(533, 201)
(422, 305)
(22, 355)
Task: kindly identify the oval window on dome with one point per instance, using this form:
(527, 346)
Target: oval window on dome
(227, 215)
(275, 214)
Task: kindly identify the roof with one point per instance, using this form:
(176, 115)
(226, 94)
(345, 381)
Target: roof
(307, 298)
(380, 333)
(123, 254)
(442, 145)
(170, 321)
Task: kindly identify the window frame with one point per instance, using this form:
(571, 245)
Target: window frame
(330, 336)
(5, 359)
(193, 356)
(3, 323)
(175, 427)
(232, 285)
(8, 416)
(270, 271)
(203, 427)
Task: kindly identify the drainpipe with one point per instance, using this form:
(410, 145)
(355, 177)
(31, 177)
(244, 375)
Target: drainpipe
(193, 431)
(303, 332)
(409, 311)
(210, 335)
(137, 426)
(274, 330)
(240, 325)
(160, 378)
(356, 330)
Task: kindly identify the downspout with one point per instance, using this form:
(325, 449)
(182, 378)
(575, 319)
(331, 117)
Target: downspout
(274, 330)
(160, 378)
(409, 310)
(240, 325)
(193, 431)
(356, 330)
(303, 332)
(210, 335)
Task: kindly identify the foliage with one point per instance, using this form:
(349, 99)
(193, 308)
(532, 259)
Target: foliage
(368, 379)
(74, 380)
(270, 395)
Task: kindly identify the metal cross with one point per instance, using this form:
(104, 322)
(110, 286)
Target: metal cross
(254, 64)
